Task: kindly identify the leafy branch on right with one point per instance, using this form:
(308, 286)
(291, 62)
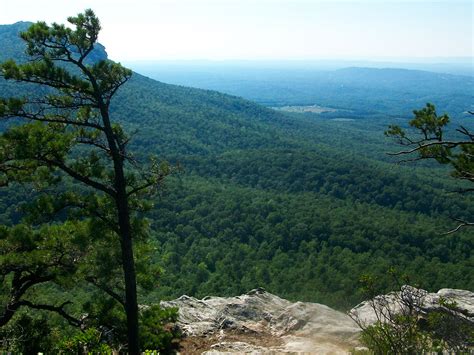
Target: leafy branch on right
(430, 141)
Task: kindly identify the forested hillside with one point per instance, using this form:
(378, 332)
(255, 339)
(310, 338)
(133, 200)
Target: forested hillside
(299, 204)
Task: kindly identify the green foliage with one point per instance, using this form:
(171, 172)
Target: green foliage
(27, 335)
(405, 326)
(448, 329)
(59, 138)
(430, 142)
(429, 123)
(87, 342)
(383, 338)
(217, 238)
(31, 257)
(157, 331)
(298, 204)
(431, 128)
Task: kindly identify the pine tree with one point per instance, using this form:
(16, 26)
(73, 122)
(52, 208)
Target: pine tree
(66, 133)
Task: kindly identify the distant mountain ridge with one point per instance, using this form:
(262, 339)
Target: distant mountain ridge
(11, 46)
(388, 91)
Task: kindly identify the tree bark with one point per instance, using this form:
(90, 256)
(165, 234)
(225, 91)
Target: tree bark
(128, 264)
(125, 230)
(126, 244)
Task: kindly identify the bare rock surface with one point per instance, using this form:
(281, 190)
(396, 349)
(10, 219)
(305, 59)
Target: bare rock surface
(261, 323)
(428, 302)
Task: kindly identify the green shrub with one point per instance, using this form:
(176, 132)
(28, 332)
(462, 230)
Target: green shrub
(157, 331)
(89, 341)
(405, 325)
(26, 334)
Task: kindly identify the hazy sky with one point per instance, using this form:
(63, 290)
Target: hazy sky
(266, 29)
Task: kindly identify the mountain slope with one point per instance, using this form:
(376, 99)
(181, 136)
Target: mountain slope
(12, 47)
(207, 121)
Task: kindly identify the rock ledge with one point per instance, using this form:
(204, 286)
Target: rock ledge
(262, 323)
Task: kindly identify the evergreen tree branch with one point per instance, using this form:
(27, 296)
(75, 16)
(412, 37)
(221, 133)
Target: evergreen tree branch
(106, 289)
(56, 309)
(79, 177)
(461, 224)
(448, 144)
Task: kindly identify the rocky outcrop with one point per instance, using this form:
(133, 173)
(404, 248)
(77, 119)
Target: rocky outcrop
(260, 322)
(462, 302)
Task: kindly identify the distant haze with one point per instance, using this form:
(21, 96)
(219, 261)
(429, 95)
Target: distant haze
(172, 69)
(268, 29)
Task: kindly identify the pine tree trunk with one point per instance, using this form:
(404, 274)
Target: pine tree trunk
(131, 303)
(128, 263)
(125, 231)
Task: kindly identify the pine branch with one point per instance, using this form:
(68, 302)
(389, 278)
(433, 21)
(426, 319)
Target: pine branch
(106, 289)
(56, 309)
(448, 144)
(461, 224)
(82, 178)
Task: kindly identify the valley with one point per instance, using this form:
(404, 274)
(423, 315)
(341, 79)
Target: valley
(261, 191)
(278, 178)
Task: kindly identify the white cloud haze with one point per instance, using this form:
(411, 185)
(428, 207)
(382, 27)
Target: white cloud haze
(266, 29)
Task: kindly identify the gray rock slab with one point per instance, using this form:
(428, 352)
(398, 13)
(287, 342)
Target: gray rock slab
(300, 327)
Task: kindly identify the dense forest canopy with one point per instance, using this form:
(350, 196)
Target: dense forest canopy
(300, 204)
